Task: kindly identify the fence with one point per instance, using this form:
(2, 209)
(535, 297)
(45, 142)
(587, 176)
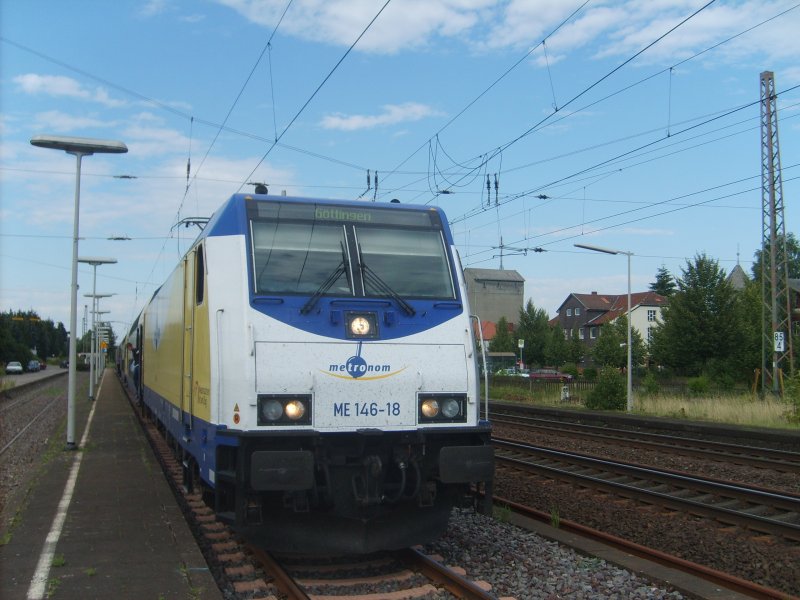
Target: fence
(582, 387)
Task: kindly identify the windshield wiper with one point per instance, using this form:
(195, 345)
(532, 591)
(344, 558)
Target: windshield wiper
(373, 279)
(327, 284)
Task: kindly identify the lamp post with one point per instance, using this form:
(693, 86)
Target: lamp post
(629, 403)
(78, 147)
(97, 369)
(95, 261)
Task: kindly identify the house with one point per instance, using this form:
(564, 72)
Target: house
(583, 315)
(495, 293)
(738, 278)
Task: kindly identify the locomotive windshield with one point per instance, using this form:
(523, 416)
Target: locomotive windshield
(312, 249)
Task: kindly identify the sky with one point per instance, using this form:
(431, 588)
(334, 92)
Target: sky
(629, 125)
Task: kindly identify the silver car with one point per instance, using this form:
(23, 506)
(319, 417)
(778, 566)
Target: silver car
(13, 367)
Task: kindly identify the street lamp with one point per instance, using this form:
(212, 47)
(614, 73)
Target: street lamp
(97, 336)
(78, 147)
(95, 261)
(629, 404)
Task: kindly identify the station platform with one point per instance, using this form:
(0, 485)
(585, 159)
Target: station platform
(102, 522)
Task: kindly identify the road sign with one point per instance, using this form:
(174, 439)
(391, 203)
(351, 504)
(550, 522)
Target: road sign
(521, 343)
(778, 340)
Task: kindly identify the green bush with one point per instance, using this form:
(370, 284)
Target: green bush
(649, 385)
(699, 386)
(570, 369)
(610, 391)
(792, 395)
(590, 373)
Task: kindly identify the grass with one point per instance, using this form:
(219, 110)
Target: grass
(733, 408)
(555, 517)
(6, 384)
(502, 512)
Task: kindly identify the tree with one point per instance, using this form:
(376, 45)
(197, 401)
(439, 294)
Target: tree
(22, 333)
(555, 353)
(534, 329)
(502, 341)
(576, 349)
(792, 257)
(664, 283)
(611, 348)
(701, 329)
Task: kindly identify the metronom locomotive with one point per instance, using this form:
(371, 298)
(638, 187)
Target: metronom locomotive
(313, 364)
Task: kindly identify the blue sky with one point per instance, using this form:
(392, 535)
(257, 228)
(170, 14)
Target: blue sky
(637, 122)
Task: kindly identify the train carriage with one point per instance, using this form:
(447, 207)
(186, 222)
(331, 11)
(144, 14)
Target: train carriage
(313, 363)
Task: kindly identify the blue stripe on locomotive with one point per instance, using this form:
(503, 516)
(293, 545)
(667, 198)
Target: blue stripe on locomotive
(326, 319)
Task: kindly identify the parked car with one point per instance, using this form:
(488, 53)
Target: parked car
(13, 367)
(64, 364)
(33, 366)
(550, 375)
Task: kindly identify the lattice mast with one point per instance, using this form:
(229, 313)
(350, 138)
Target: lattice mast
(776, 311)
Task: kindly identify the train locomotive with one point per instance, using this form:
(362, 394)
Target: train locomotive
(312, 363)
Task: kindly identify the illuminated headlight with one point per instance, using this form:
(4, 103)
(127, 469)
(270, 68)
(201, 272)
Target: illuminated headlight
(442, 408)
(295, 410)
(430, 408)
(284, 409)
(360, 325)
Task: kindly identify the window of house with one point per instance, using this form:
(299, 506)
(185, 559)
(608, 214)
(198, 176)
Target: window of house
(649, 334)
(577, 311)
(565, 335)
(593, 332)
(580, 333)
(569, 312)
(651, 315)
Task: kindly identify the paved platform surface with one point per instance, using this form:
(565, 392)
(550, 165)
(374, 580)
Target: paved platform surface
(123, 535)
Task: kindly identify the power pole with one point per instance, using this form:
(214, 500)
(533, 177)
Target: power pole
(776, 313)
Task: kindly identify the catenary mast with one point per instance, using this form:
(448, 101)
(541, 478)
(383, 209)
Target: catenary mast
(776, 311)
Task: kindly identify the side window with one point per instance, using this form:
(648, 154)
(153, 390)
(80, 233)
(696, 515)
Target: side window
(577, 311)
(569, 312)
(199, 275)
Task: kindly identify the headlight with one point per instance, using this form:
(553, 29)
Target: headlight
(450, 408)
(272, 410)
(361, 325)
(430, 408)
(295, 410)
(284, 409)
(442, 408)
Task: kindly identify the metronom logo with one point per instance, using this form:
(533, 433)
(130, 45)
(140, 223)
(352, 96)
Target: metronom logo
(356, 367)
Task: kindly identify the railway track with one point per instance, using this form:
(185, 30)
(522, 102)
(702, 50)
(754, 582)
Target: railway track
(759, 510)
(767, 458)
(403, 574)
(718, 578)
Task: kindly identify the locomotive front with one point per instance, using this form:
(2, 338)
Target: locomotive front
(354, 416)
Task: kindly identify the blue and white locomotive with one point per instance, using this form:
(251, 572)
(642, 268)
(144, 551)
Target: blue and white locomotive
(313, 364)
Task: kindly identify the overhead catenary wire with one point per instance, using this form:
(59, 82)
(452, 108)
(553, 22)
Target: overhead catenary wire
(316, 91)
(588, 88)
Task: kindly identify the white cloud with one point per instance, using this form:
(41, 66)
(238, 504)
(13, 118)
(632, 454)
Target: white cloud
(54, 120)
(411, 23)
(391, 115)
(152, 8)
(60, 86)
(611, 29)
